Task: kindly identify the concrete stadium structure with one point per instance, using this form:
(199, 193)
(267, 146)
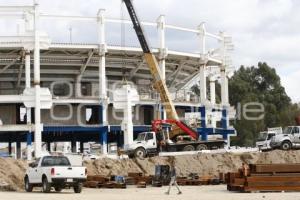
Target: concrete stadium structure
(69, 96)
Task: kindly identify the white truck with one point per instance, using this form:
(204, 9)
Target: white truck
(289, 139)
(151, 143)
(264, 138)
(56, 172)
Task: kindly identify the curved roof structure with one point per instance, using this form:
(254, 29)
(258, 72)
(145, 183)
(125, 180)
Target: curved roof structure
(66, 61)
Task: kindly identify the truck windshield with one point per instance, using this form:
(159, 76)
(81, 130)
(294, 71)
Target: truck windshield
(262, 136)
(141, 137)
(287, 130)
(49, 161)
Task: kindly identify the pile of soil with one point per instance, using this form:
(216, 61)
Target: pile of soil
(12, 174)
(202, 164)
(12, 171)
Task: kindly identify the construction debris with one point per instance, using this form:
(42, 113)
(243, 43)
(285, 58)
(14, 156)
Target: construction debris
(265, 177)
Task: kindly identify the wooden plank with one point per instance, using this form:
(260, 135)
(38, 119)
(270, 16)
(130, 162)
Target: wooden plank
(273, 183)
(263, 168)
(276, 174)
(271, 178)
(239, 181)
(271, 188)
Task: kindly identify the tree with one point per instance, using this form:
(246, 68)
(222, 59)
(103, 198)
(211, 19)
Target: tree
(260, 84)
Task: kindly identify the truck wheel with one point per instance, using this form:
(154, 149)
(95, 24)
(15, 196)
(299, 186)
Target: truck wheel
(188, 148)
(130, 156)
(286, 145)
(58, 188)
(77, 188)
(28, 186)
(46, 186)
(201, 147)
(140, 153)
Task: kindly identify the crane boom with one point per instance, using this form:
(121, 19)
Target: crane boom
(158, 81)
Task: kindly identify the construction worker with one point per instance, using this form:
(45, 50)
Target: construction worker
(173, 178)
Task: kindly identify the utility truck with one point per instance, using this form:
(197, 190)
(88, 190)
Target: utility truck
(289, 139)
(264, 138)
(152, 142)
(159, 140)
(56, 172)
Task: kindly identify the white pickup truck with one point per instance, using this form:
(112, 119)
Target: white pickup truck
(54, 171)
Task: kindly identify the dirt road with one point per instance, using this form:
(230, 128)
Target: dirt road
(150, 193)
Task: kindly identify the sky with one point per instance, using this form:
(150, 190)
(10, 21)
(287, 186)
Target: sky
(262, 30)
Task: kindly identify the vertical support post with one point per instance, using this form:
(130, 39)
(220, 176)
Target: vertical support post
(224, 81)
(9, 148)
(103, 140)
(202, 85)
(201, 33)
(49, 146)
(28, 110)
(18, 149)
(224, 119)
(162, 55)
(224, 87)
(66, 147)
(212, 87)
(224, 124)
(81, 147)
(29, 141)
(37, 110)
(102, 73)
(78, 86)
(203, 116)
(127, 125)
(73, 144)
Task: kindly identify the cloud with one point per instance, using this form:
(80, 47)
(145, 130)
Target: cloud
(265, 30)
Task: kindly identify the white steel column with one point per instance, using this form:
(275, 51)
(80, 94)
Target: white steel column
(212, 88)
(78, 86)
(127, 125)
(202, 84)
(102, 72)
(224, 87)
(224, 81)
(162, 52)
(28, 110)
(202, 69)
(37, 110)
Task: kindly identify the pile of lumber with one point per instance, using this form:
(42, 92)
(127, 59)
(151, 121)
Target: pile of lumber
(194, 179)
(141, 181)
(138, 179)
(265, 177)
(97, 181)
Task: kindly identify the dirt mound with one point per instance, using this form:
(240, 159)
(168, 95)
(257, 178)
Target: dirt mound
(12, 171)
(11, 174)
(203, 163)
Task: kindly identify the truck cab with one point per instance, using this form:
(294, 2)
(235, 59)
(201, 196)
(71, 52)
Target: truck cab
(264, 139)
(289, 139)
(145, 144)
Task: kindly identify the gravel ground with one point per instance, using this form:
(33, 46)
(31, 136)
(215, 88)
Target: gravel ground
(150, 193)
